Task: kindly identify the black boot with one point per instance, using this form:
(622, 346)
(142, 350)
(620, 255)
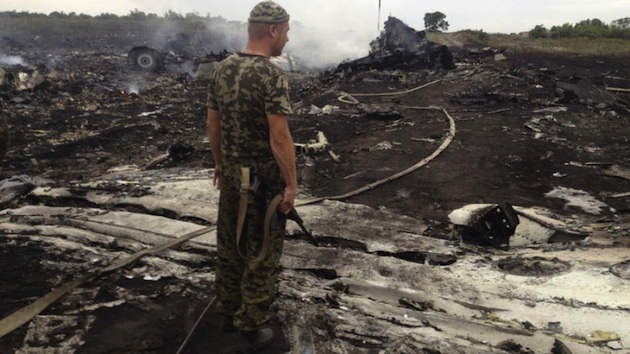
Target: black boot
(257, 339)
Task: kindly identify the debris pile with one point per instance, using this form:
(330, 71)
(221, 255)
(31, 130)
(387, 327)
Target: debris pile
(401, 47)
(107, 163)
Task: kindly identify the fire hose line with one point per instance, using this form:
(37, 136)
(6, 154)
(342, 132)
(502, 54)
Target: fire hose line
(423, 162)
(447, 141)
(350, 98)
(25, 314)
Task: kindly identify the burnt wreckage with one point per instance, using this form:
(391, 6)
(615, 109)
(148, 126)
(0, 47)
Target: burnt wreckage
(402, 47)
(178, 50)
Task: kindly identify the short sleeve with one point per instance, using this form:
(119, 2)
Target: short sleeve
(277, 100)
(212, 95)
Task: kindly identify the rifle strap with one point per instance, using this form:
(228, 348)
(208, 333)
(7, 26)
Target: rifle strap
(269, 214)
(242, 207)
(242, 213)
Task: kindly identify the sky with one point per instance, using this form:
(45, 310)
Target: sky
(504, 16)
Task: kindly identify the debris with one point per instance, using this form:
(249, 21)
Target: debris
(579, 199)
(20, 185)
(178, 151)
(334, 156)
(314, 146)
(425, 140)
(145, 58)
(500, 57)
(585, 91)
(400, 46)
(315, 110)
(602, 336)
(329, 109)
(536, 225)
(489, 226)
(379, 112)
(615, 345)
(621, 270)
(558, 109)
(28, 81)
(617, 89)
(383, 145)
(560, 348)
(354, 174)
(535, 266)
(617, 171)
(205, 70)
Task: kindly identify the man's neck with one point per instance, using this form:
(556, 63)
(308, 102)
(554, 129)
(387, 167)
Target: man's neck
(255, 49)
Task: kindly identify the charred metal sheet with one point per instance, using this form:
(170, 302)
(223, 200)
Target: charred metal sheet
(492, 226)
(584, 91)
(400, 46)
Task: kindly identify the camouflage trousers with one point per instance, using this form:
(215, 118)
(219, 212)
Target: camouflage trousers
(246, 289)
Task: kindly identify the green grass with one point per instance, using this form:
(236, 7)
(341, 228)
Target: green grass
(522, 44)
(608, 47)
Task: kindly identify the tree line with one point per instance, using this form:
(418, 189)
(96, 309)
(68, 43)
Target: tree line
(594, 28)
(132, 15)
(434, 21)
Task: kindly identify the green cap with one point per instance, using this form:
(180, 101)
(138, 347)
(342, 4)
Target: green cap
(268, 12)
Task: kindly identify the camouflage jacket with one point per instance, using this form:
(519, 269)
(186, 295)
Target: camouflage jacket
(245, 89)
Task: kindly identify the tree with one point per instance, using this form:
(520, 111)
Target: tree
(434, 21)
(622, 23)
(172, 15)
(564, 31)
(539, 31)
(136, 14)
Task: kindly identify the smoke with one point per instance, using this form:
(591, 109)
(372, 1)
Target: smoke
(323, 48)
(220, 34)
(11, 60)
(133, 87)
(315, 48)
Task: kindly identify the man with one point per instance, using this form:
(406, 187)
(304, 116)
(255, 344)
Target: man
(248, 108)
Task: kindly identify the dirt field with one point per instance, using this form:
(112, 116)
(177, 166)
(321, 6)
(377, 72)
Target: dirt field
(519, 138)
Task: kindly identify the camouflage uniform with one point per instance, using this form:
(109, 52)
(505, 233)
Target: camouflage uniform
(4, 136)
(244, 89)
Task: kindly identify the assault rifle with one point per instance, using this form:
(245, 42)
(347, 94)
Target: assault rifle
(261, 187)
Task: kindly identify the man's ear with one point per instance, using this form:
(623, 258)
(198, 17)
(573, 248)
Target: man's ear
(273, 30)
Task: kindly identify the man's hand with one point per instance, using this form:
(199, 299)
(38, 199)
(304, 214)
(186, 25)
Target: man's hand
(288, 200)
(217, 177)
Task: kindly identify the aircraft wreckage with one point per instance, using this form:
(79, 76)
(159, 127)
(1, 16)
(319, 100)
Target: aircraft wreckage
(110, 257)
(374, 279)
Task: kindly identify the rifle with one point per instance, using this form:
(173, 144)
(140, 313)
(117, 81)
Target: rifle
(261, 186)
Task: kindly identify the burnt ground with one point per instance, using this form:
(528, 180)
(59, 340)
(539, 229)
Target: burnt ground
(517, 138)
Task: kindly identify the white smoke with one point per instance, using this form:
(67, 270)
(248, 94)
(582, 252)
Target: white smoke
(11, 60)
(323, 48)
(316, 48)
(133, 88)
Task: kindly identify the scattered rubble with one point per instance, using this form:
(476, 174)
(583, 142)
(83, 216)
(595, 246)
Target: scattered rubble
(400, 46)
(107, 162)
